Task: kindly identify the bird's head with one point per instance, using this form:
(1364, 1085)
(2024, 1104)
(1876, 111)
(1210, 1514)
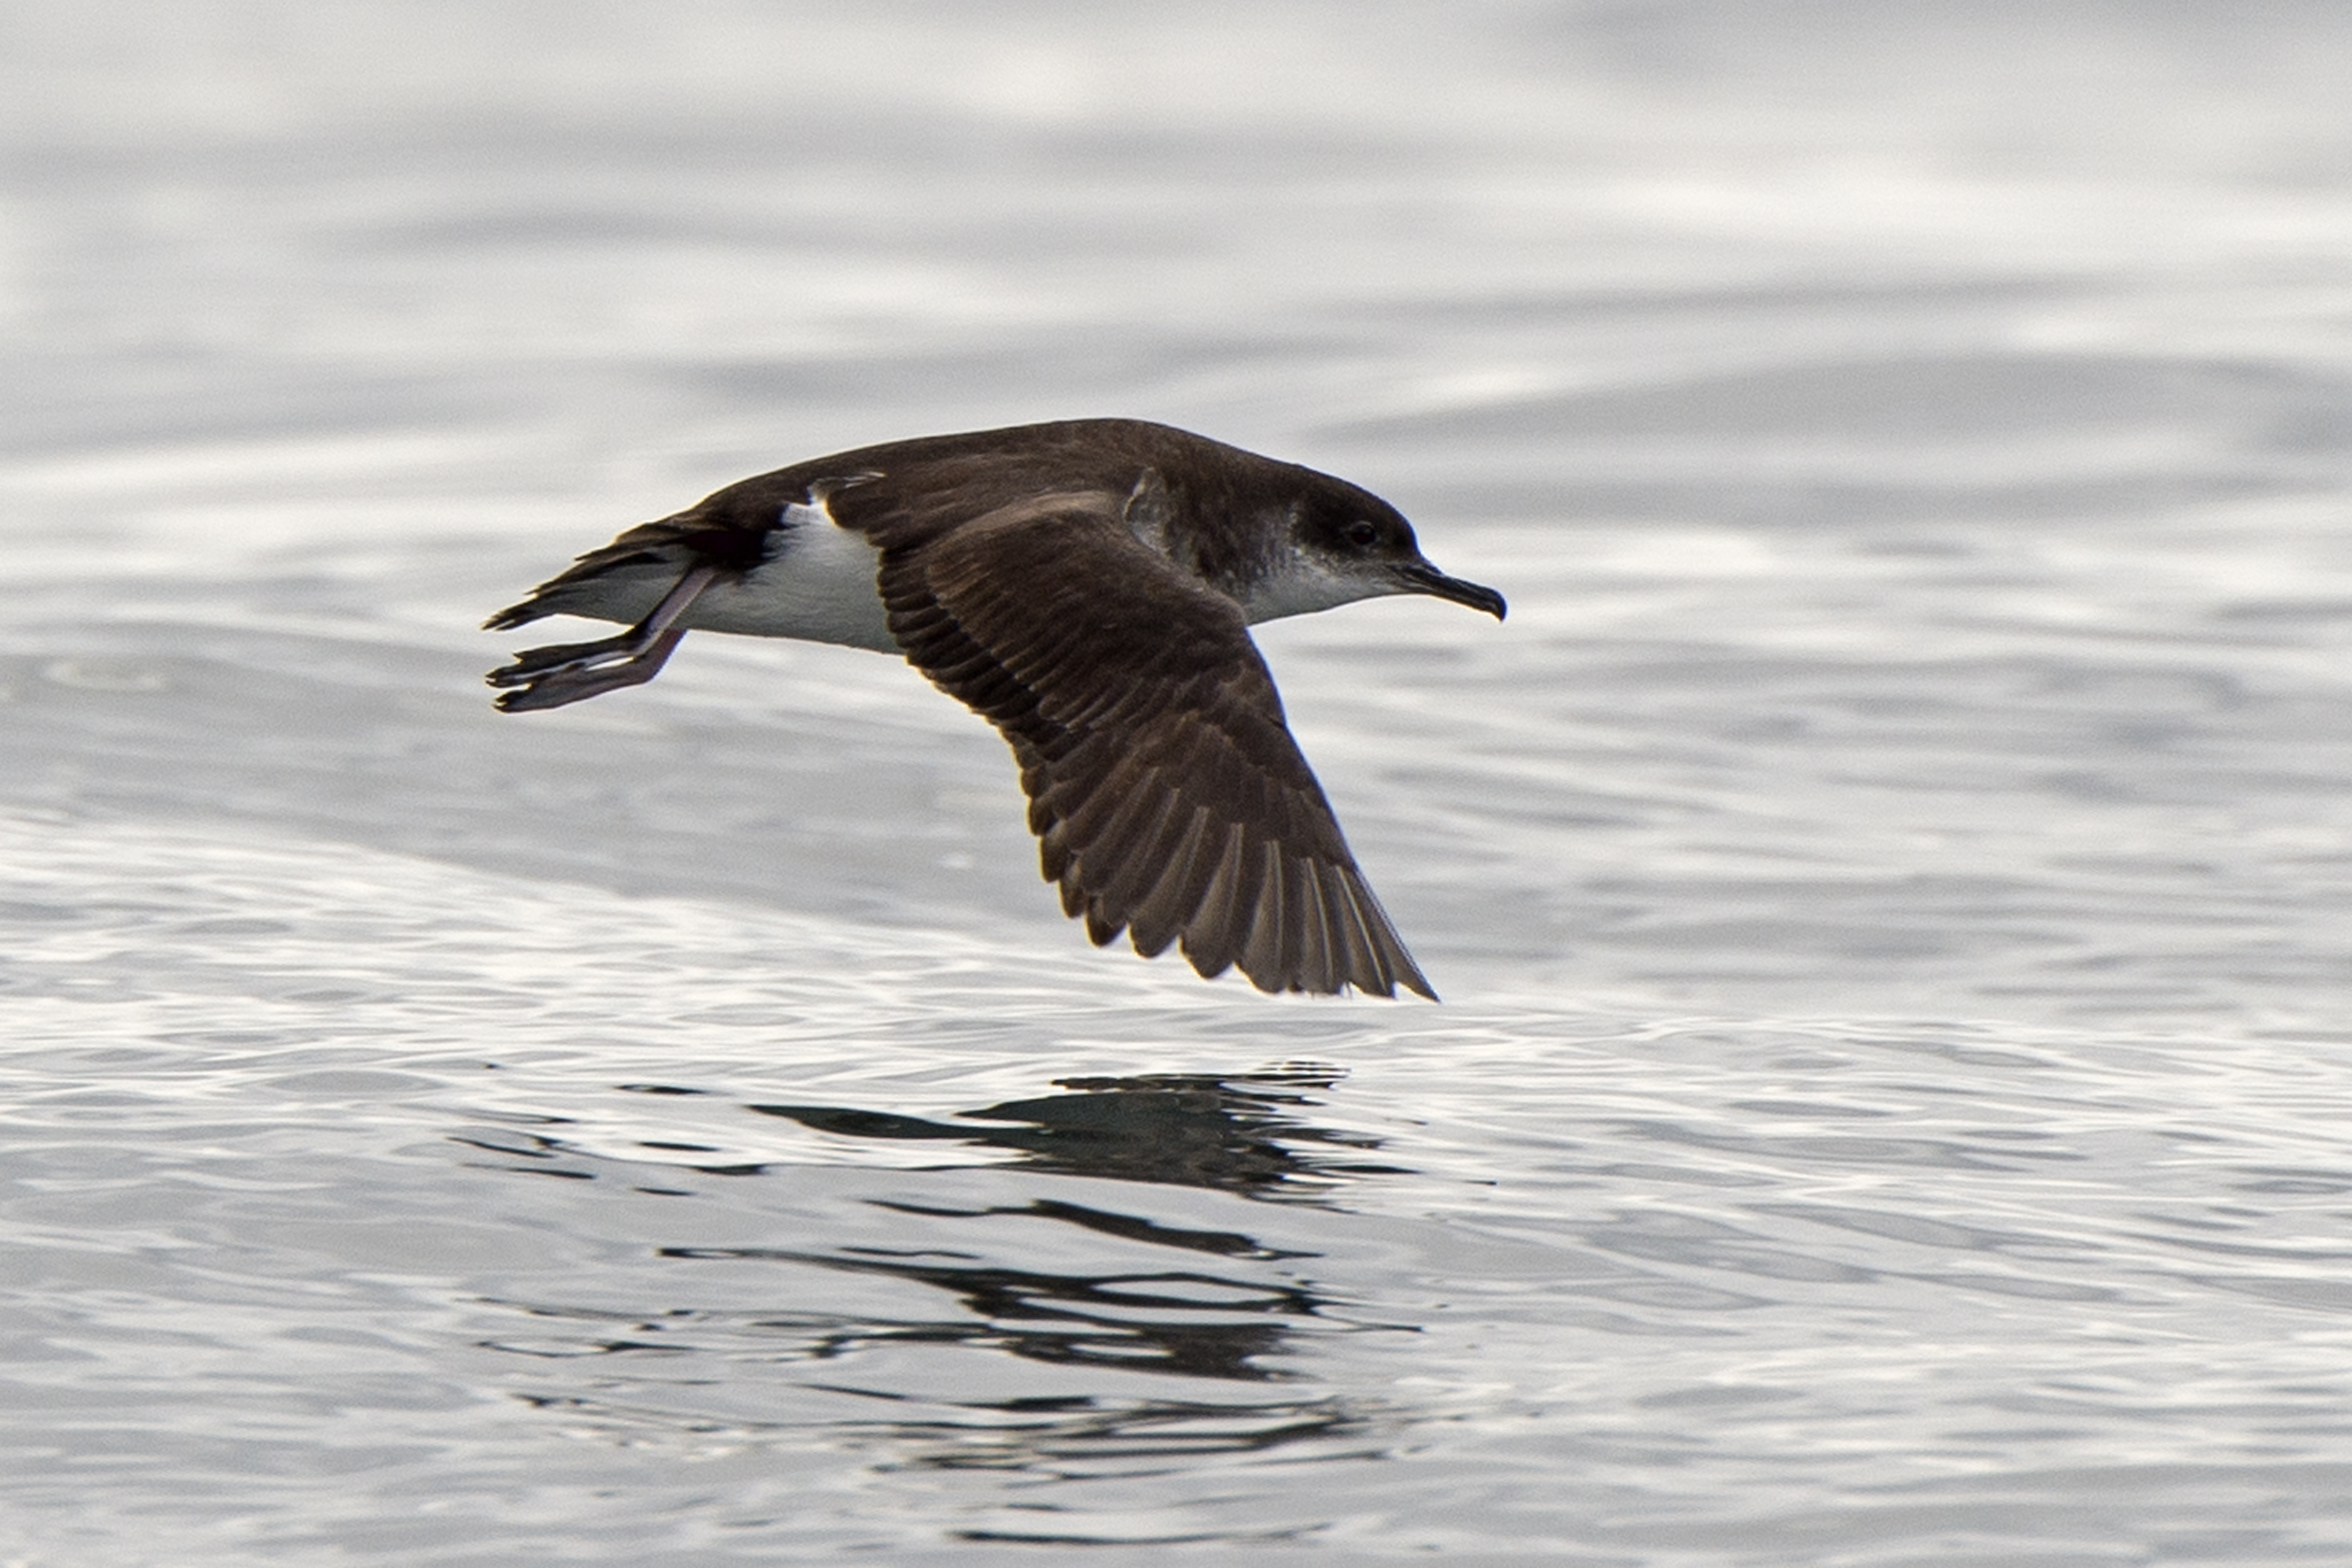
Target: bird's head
(1346, 543)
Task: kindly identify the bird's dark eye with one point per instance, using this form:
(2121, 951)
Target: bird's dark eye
(1363, 535)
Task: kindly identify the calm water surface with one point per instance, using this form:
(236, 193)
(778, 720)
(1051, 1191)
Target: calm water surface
(1891, 878)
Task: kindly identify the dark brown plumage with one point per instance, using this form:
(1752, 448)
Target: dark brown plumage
(1087, 587)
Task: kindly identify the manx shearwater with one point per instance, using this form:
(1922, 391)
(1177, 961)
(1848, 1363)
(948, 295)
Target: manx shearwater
(1087, 587)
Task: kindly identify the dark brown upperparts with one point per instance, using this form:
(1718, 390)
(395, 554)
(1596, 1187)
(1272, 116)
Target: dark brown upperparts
(1087, 587)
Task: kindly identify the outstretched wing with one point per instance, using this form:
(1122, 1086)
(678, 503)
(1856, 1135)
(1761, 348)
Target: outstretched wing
(1163, 786)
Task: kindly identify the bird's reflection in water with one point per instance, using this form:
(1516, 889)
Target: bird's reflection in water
(1191, 1322)
(1228, 1308)
(1240, 1133)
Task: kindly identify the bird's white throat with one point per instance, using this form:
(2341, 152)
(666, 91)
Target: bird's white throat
(1301, 585)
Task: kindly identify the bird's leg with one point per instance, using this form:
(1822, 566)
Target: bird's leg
(569, 672)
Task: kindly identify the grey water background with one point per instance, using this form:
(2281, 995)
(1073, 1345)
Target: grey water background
(1889, 879)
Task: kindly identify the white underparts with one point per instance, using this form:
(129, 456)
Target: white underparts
(818, 583)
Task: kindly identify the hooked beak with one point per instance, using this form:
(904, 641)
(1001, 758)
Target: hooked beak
(1421, 577)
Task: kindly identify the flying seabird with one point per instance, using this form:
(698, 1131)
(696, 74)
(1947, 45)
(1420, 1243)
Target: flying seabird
(1087, 587)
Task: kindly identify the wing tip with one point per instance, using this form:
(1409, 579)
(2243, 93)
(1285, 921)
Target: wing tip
(1233, 926)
